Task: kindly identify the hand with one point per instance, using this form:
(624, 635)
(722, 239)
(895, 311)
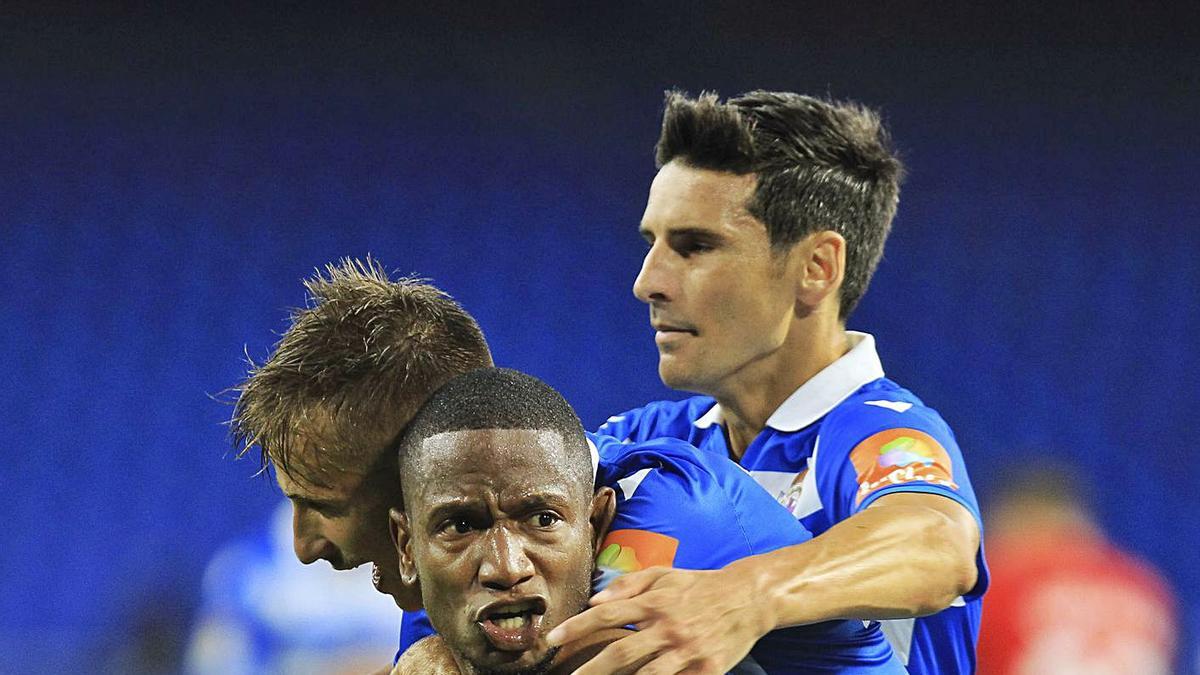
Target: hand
(688, 621)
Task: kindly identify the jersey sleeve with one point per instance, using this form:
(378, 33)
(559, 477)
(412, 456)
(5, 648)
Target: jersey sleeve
(875, 450)
(622, 426)
(413, 627)
(677, 507)
(659, 419)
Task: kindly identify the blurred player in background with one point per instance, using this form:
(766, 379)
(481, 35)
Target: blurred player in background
(265, 613)
(1064, 599)
(764, 225)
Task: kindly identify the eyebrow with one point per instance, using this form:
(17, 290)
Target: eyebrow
(692, 230)
(530, 502)
(313, 501)
(455, 506)
(539, 499)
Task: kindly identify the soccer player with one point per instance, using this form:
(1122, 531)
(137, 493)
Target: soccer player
(328, 408)
(501, 524)
(764, 225)
(1064, 597)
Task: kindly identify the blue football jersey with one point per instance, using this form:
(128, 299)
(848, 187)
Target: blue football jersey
(680, 508)
(842, 440)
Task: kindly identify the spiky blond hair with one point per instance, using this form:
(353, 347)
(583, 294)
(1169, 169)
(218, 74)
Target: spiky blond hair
(352, 369)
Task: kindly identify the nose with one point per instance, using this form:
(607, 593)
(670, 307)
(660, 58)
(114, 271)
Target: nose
(650, 286)
(307, 541)
(505, 562)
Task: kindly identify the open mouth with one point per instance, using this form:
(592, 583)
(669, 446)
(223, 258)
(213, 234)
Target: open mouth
(513, 626)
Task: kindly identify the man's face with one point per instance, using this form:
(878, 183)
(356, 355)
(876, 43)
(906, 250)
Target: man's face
(721, 301)
(499, 536)
(344, 519)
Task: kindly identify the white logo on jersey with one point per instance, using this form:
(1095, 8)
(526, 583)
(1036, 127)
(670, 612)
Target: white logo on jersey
(797, 492)
(898, 406)
(629, 484)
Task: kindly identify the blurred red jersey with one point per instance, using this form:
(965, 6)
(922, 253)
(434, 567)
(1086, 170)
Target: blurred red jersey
(1067, 601)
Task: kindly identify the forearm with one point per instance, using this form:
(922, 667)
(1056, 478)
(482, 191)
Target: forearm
(900, 561)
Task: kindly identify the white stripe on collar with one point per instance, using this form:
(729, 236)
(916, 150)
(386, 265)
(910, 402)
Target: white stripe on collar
(816, 397)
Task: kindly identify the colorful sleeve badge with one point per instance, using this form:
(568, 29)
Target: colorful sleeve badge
(625, 551)
(899, 456)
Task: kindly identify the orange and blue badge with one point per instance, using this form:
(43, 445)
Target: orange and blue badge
(899, 456)
(625, 551)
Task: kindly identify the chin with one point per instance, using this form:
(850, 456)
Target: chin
(679, 378)
(528, 663)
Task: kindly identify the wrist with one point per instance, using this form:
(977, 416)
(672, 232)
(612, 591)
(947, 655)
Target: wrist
(751, 575)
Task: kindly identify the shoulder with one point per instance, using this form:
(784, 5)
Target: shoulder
(658, 418)
(687, 508)
(618, 461)
(880, 406)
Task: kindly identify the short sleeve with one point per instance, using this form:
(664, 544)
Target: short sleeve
(677, 507)
(413, 627)
(881, 451)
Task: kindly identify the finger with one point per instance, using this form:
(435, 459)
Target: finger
(626, 655)
(665, 663)
(609, 615)
(629, 585)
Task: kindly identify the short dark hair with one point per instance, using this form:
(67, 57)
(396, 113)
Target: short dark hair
(821, 165)
(496, 398)
(355, 364)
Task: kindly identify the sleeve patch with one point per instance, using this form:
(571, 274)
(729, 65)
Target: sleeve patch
(899, 456)
(627, 551)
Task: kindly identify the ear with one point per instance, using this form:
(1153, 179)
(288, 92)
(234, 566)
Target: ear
(822, 262)
(604, 509)
(402, 538)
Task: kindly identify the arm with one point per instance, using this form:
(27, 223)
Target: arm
(864, 567)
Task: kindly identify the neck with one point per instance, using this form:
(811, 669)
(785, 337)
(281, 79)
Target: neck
(750, 397)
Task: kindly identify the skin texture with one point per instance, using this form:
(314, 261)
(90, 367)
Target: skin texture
(493, 516)
(431, 657)
(734, 318)
(344, 521)
(756, 324)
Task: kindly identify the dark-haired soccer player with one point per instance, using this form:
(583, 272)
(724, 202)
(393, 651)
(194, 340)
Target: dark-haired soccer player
(501, 523)
(764, 224)
(329, 405)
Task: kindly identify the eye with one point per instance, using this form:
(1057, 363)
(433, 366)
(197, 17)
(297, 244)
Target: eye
(456, 526)
(688, 245)
(545, 519)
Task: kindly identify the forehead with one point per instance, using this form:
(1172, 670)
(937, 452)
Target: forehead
(319, 468)
(684, 196)
(459, 463)
(324, 484)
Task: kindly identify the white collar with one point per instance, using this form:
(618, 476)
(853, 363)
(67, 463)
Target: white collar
(816, 397)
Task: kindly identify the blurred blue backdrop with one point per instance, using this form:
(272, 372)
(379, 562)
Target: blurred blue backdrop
(168, 177)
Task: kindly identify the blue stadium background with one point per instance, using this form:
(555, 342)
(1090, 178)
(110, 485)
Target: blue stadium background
(168, 176)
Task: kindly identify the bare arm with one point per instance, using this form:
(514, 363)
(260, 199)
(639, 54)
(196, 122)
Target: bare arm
(862, 568)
